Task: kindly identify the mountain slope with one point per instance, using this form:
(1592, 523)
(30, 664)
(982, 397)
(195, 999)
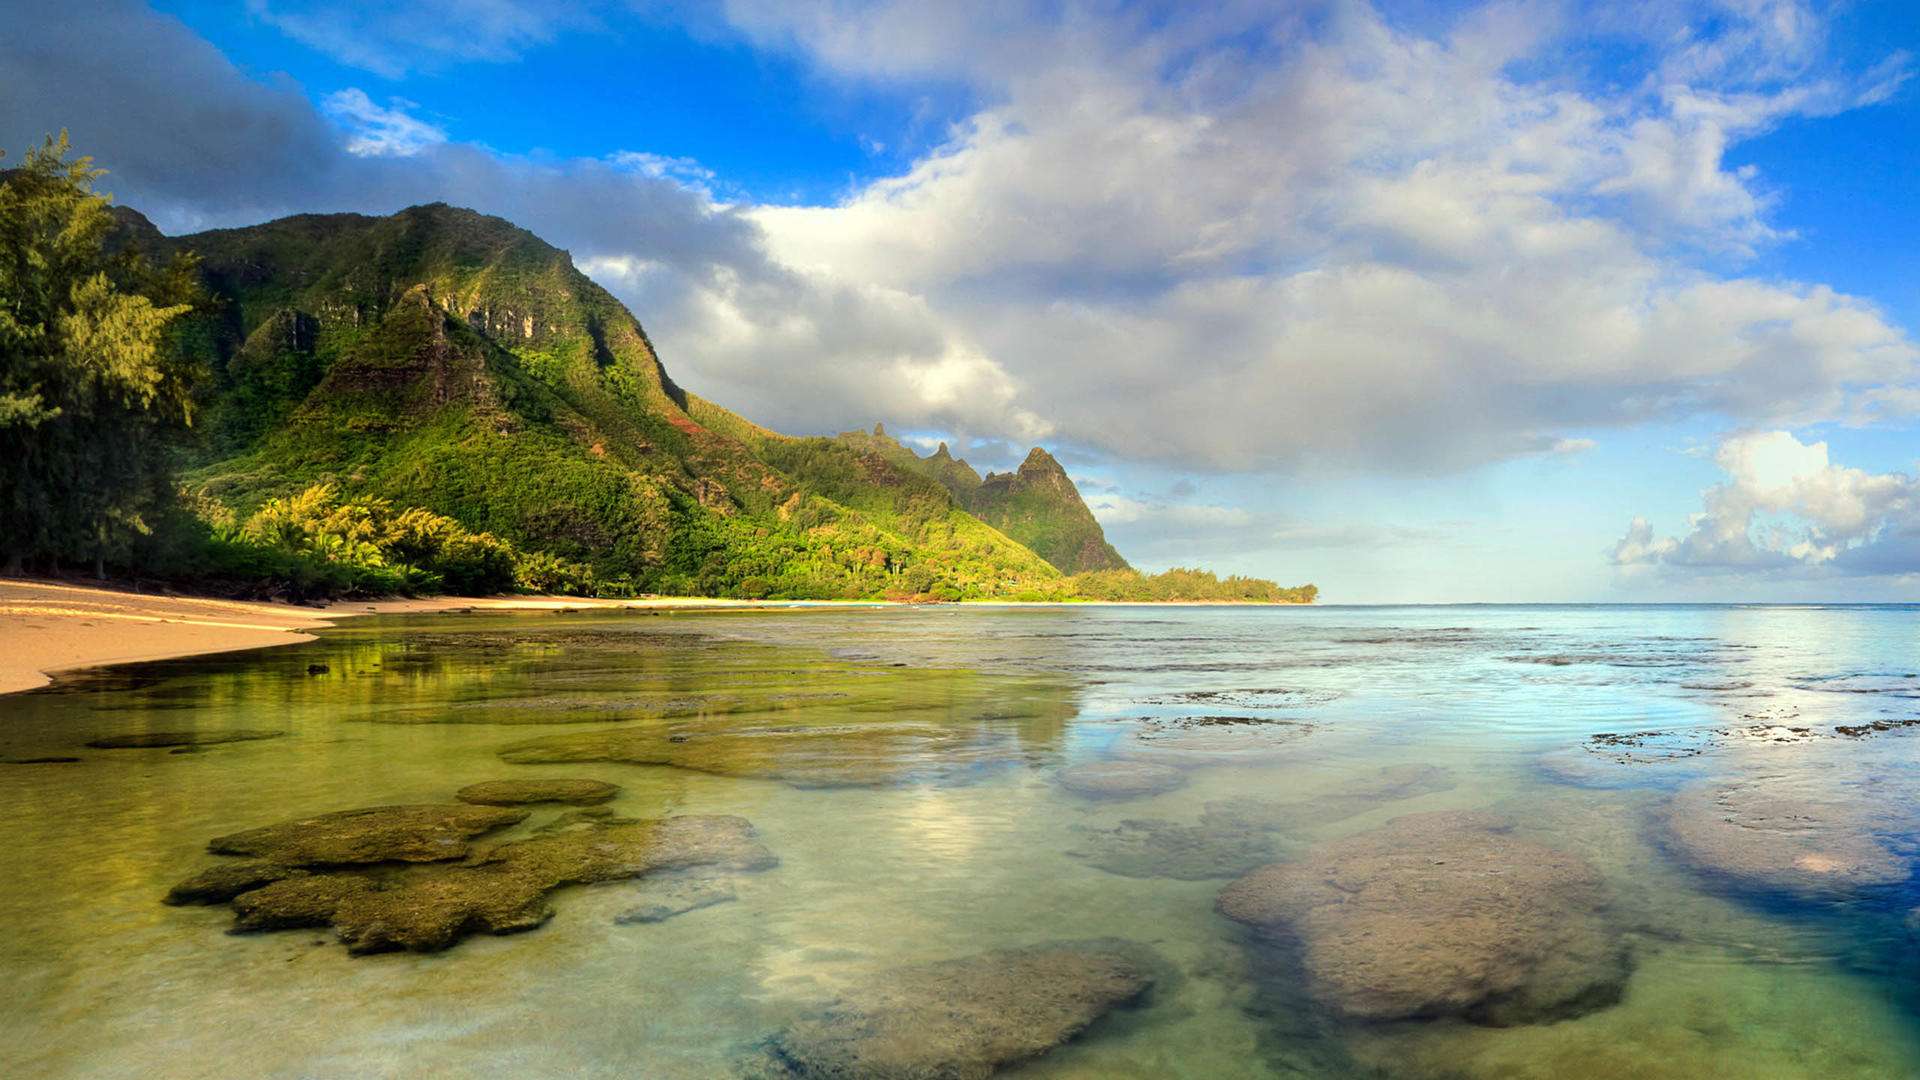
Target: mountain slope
(448, 360)
(1036, 505)
(1039, 506)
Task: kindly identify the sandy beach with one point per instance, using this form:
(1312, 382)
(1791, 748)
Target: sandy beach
(48, 627)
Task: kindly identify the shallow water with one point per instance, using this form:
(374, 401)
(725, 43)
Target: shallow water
(907, 772)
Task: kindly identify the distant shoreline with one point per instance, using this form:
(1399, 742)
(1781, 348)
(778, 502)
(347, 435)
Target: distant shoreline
(48, 628)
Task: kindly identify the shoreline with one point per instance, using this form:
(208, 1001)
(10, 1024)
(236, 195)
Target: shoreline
(48, 628)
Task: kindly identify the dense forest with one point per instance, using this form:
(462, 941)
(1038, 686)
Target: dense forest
(439, 401)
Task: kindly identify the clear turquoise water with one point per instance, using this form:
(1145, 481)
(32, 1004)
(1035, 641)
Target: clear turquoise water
(964, 841)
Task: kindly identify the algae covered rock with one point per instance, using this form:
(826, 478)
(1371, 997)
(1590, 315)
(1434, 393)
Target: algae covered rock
(423, 833)
(1762, 837)
(296, 902)
(499, 890)
(966, 1018)
(223, 881)
(1440, 914)
(518, 792)
(1120, 779)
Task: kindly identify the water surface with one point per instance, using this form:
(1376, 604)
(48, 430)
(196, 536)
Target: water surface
(910, 783)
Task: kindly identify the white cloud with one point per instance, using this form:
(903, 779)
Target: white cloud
(390, 39)
(381, 131)
(1354, 245)
(1785, 505)
(1115, 509)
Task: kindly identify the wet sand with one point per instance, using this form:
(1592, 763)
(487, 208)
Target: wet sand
(48, 627)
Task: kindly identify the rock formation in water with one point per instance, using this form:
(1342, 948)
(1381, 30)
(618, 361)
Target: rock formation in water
(407, 877)
(1440, 914)
(423, 833)
(1756, 836)
(964, 1019)
(522, 792)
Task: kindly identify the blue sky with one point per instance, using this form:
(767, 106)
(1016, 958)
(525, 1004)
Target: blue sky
(1516, 301)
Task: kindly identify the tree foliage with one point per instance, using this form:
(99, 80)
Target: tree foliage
(91, 390)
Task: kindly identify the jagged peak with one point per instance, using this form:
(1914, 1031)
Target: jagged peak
(941, 454)
(1039, 461)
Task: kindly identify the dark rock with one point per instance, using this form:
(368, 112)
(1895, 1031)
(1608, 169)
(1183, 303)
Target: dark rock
(514, 792)
(38, 760)
(296, 902)
(1441, 914)
(426, 833)
(318, 669)
(1759, 836)
(1120, 779)
(664, 897)
(501, 890)
(1155, 849)
(223, 881)
(965, 1019)
(147, 740)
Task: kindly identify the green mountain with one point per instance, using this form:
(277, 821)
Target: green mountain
(443, 383)
(1037, 505)
(442, 359)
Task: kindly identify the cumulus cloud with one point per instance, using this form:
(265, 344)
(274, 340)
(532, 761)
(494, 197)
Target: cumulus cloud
(1351, 243)
(1785, 505)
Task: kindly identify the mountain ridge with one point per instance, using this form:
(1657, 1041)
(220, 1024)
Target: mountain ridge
(453, 361)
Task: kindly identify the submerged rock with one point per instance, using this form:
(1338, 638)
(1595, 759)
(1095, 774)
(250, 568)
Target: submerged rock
(1120, 779)
(1760, 837)
(805, 755)
(664, 897)
(424, 833)
(1166, 849)
(296, 902)
(147, 740)
(1364, 793)
(965, 1019)
(221, 882)
(500, 890)
(49, 760)
(516, 792)
(1441, 914)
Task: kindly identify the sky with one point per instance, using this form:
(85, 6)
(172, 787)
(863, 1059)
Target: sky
(1512, 301)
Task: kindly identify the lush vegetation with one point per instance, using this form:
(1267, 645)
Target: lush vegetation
(438, 400)
(93, 383)
(1037, 506)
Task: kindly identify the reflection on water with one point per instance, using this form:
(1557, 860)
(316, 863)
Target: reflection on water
(1430, 842)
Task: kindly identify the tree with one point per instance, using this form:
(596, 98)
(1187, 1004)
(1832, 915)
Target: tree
(90, 391)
